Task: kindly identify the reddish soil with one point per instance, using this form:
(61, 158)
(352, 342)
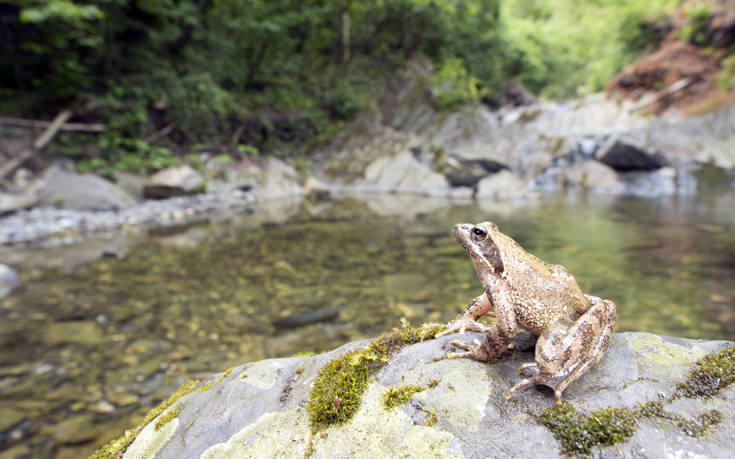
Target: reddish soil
(681, 75)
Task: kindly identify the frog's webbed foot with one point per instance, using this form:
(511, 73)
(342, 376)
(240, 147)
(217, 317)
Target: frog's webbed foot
(471, 350)
(476, 351)
(461, 325)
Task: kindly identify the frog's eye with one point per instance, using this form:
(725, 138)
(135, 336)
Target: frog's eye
(479, 233)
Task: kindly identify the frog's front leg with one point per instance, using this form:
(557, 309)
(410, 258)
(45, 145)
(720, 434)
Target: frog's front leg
(498, 339)
(468, 319)
(567, 349)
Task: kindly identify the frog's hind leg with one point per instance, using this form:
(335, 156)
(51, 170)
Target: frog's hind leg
(598, 321)
(566, 350)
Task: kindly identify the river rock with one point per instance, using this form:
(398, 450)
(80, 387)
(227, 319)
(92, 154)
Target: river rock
(403, 173)
(279, 180)
(467, 172)
(11, 202)
(503, 185)
(316, 190)
(133, 184)
(625, 155)
(8, 280)
(174, 181)
(597, 177)
(258, 409)
(69, 190)
(721, 153)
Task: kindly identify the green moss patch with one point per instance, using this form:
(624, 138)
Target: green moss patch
(709, 375)
(338, 388)
(167, 417)
(399, 396)
(578, 433)
(116, 448)
(210, 385)
(694, 427)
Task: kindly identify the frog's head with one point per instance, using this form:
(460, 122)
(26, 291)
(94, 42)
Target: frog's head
(481, 242)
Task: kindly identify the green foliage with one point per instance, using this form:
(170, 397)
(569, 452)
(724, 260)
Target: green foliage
(283, 76)
(695, 31)
(453, 86)
(561, 48)
(726, 79)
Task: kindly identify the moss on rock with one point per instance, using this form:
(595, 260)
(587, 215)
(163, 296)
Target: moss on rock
(117, 447)
(398, 396)
(709, 375)
(578, 433)
(338, 388)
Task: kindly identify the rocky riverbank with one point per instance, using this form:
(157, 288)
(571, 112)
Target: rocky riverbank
(647, 397)
(408, 148)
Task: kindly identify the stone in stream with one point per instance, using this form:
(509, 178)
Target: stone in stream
(8, 280)
(306, 318)
(625, 155)
(69, 190)
(453, 407)
(173, 181)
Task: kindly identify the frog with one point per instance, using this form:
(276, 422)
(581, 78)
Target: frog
(524, 293)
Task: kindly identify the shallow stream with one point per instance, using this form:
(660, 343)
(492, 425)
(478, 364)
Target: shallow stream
(86, 348)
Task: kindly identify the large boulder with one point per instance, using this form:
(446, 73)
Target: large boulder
(402, 173)
(12, 202)
(503, 185)
(595, 176)
(279, 180)
(467, 172)
(625, 155)
(174, 181)
(457, 408)
(69, 190)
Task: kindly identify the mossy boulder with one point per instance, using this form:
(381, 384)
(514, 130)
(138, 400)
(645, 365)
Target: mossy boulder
(454, 408)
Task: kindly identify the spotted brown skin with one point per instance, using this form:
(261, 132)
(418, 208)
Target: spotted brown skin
(525, 293)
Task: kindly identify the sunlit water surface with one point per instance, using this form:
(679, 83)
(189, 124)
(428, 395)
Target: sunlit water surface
(85, 351)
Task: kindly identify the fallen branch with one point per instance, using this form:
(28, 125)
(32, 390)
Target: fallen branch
(39, 143)
(161, 133)
(40, 124)
(678, 86)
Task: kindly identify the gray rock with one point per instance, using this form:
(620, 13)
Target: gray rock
(12, 202)
(596, 176)
(625, 155)
(403, 173)
(133, 184)
(279, 181)
(316, 190)
(69, 190)
(8, 280)
(226, 177)
(259, 408)
(503, 185)
(467, 172)
(174, 181)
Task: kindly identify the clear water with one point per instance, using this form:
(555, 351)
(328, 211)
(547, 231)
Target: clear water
(92, 348)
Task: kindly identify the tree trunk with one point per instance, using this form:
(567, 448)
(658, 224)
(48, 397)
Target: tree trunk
(345, 36)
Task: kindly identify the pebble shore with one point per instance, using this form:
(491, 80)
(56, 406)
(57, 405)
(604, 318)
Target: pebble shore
(63, 226)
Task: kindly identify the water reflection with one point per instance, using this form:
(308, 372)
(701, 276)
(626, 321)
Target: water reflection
(87, 348)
